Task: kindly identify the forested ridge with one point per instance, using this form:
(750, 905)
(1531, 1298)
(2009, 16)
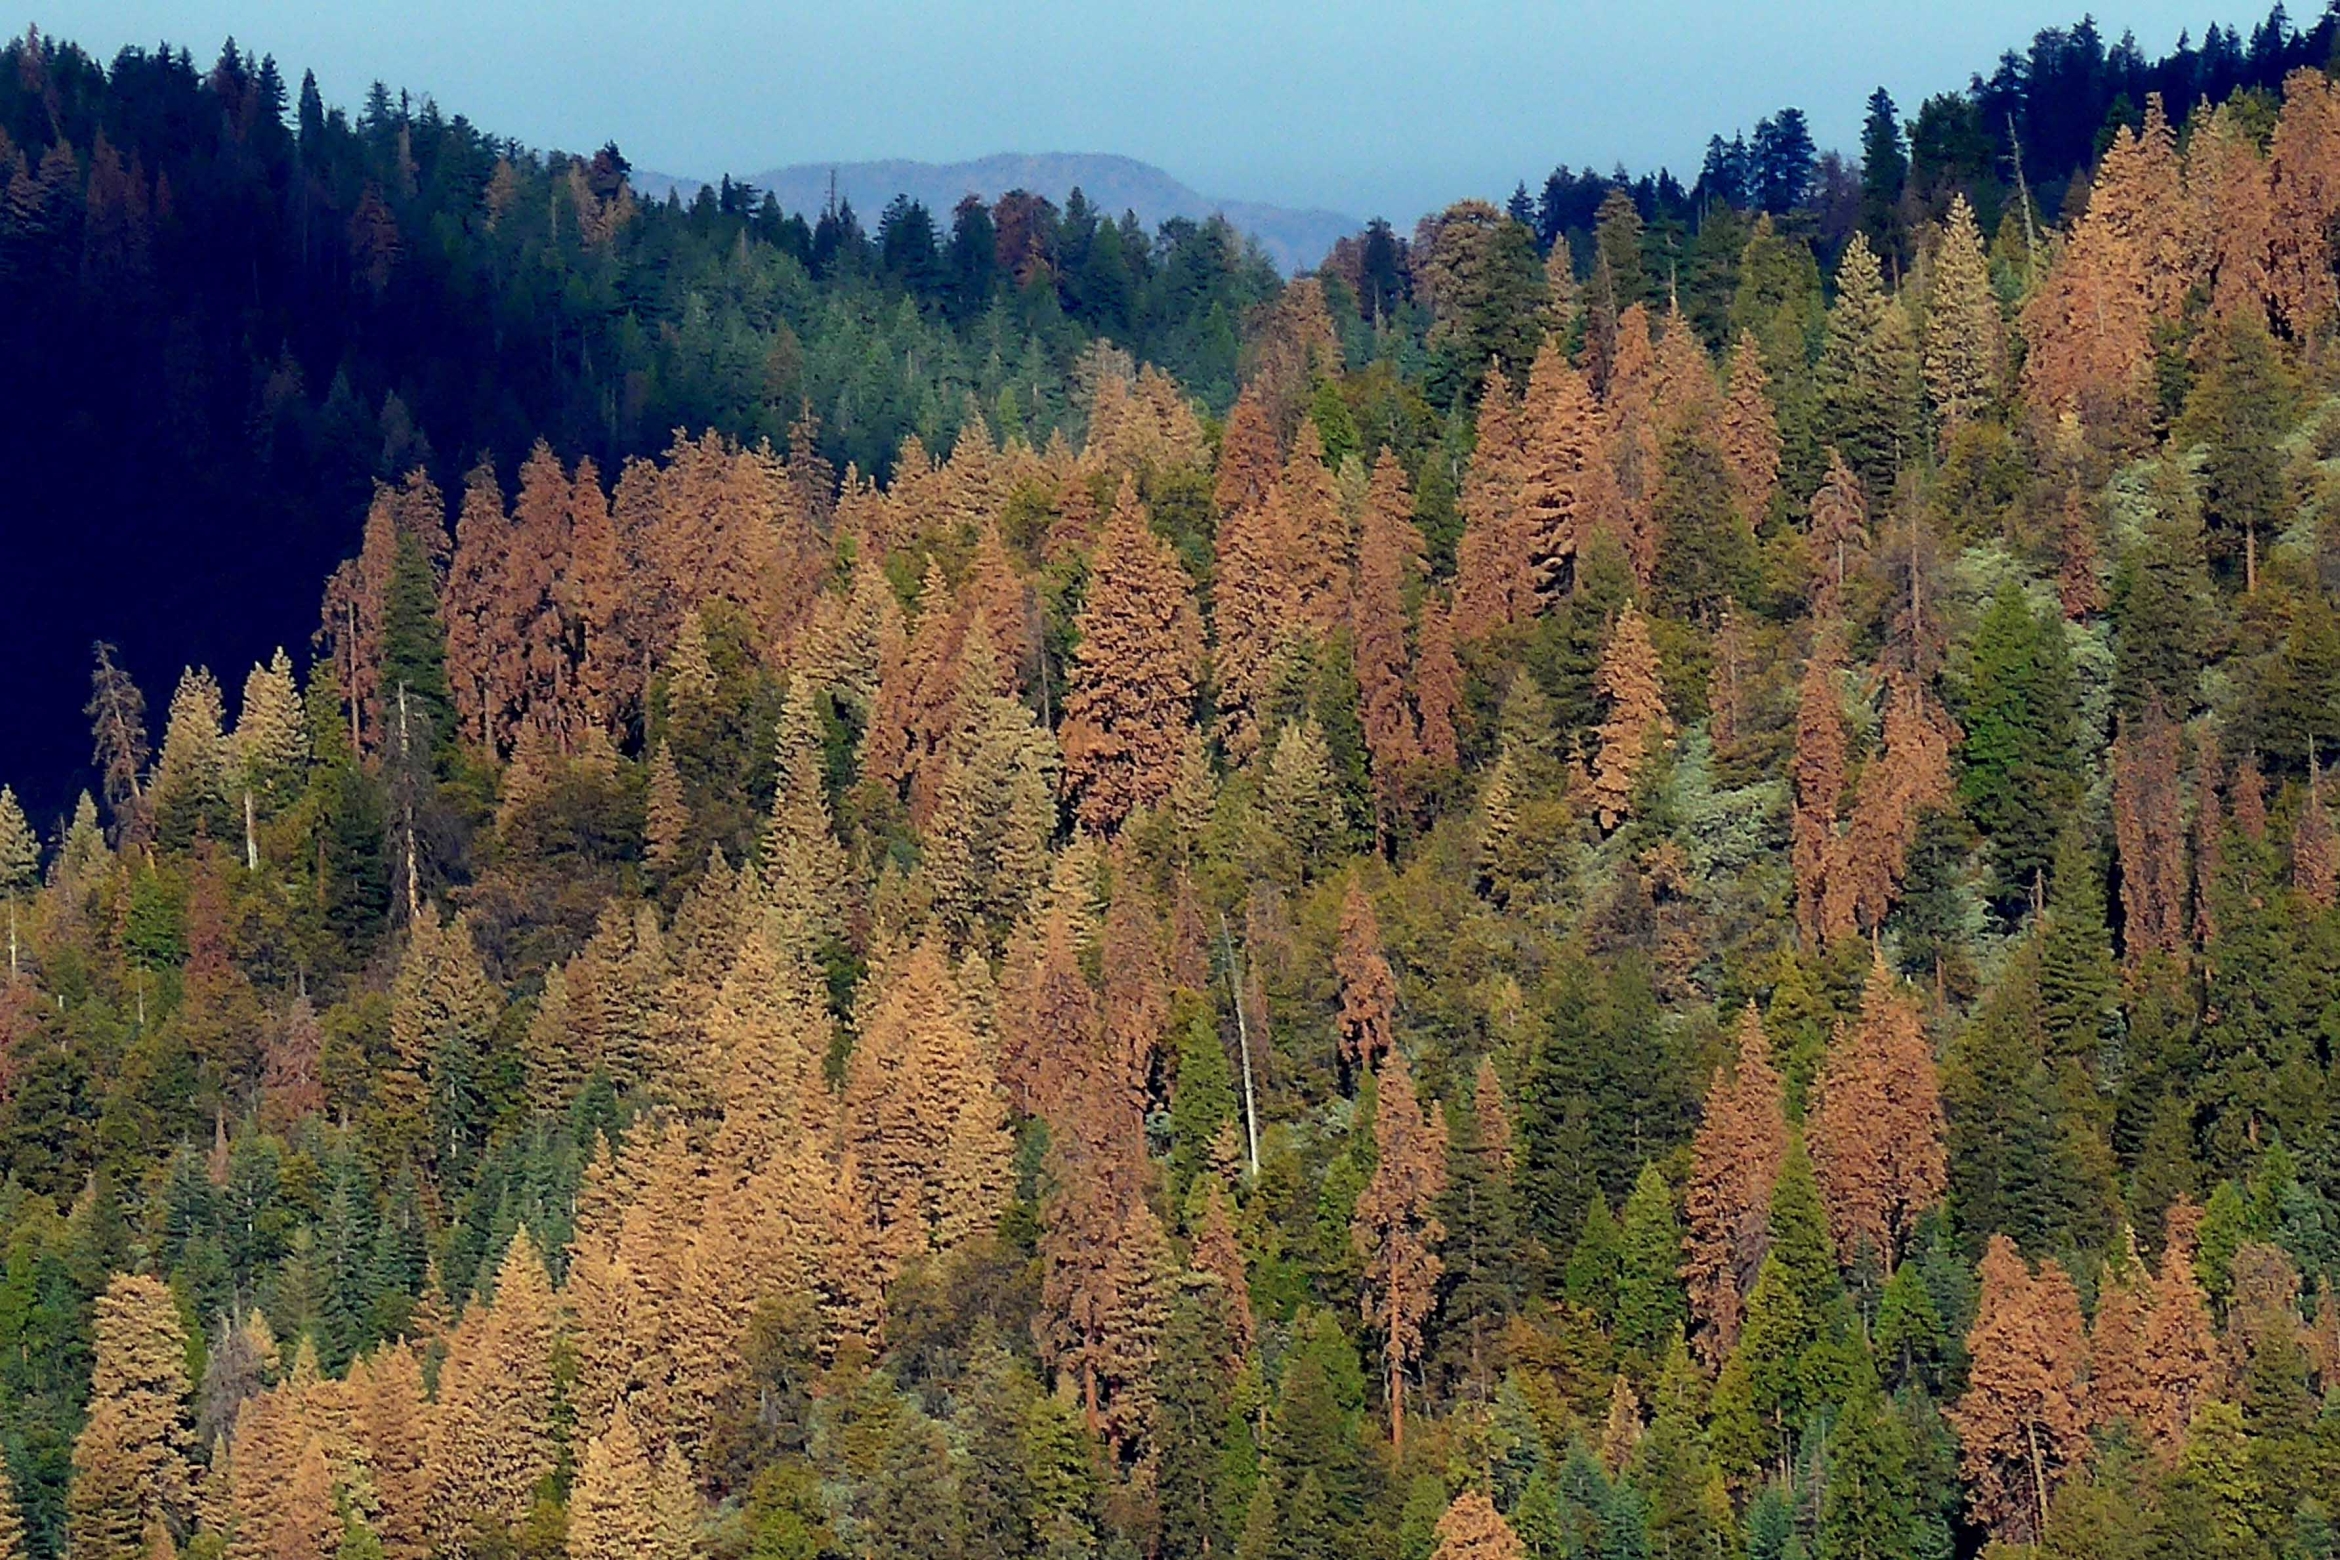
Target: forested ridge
(1647, 884)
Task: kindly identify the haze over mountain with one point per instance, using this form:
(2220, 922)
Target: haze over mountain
(1295, 238)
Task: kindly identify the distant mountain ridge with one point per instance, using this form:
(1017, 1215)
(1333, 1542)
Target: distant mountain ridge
(1296, 238)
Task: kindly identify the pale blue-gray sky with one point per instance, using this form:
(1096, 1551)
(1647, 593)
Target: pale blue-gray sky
(1369, 106)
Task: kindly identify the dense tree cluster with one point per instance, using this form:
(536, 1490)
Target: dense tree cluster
(1557, 928)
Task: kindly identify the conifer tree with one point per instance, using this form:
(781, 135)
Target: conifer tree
(1495, 580)
(491, 1435)
(1818, 771)
(1909, 779)
(2022, 1423)
(1839, 536)
(1472, 1529)
(2315, 846)
(1437, 684)
(271, 745)
(611, 1511)
(917, 694)
(1735, 1160)
(1317, 532)
(388, 1420)
(2117, 1387)
(2178, 1358)
(1368, 987)
(2149, 827)
(1133, 672)
(2088, 324)
(1748, 439)
(667, 814)
(482, 599)
(1387, 547)
(923, 1112)
(1965, 352)
(1250, 460)
(131, 1470)
(1877, 1132)
(1649, 1245)
(1395, 1230)
(20, 864)
(11, 1520)
(1636, 718)
(1568, 488)
(442, 1009)
(1255, 605)
(1868, 371)
(804, 874)
(190, 785)
(1298, 794)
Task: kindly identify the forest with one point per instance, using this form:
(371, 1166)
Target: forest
(1636, 875)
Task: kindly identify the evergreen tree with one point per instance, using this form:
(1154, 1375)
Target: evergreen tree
(1868, 372)
(1649, 1297)
(2018, 775)
(1396, 1229)
(1133, 677)
(131, 1466)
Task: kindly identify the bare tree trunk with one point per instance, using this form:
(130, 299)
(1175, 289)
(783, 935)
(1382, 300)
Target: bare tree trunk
(1243, 1033)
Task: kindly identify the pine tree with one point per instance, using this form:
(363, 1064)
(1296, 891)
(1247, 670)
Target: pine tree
(1735, 1160)
(2149, 827)
(442, 1012)
(1387, 547)
(1568, 489)
(1298, 794)
(1636, 719)
(388, 1420)
(802, 870)
(1905, 782)
(1495, 578)
(271, 744)
(1839, 536)
(1877, 1132)
(1749, 437)
(1484, 1278)
(117, 720)
(1868, 373)
(189, 790)
(1649, 1296)
(1818, 772)
(1368, 987)
(12, 1545)
(1395, 1229)
(2178, 1358)
(491, 1436)
(1965, 352)
(610, 1509)
(1255, 605)
(484, 594)
(1437, 684)
(1249, 457)
(1133, 675)
(2018, 766)
(131, 1470)
(667, 815)
(2315, 847)
(989, 836)
(923, 1113)
(2022, 1422)
(1472, 1529)
(1317, 532)
(20, 866)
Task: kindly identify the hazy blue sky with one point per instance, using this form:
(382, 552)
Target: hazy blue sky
(1368, 106)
